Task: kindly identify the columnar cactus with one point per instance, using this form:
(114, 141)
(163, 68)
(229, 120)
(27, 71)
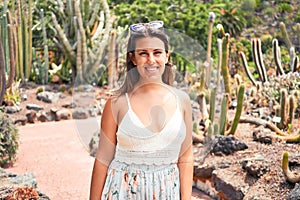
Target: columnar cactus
(288, 174)
(283, 108)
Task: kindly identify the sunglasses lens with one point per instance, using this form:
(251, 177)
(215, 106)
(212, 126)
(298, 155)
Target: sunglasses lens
(157, 24)
(141, 27)
(137, 27)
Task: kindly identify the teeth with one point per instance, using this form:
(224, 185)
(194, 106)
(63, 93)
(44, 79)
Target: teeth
(151, 69)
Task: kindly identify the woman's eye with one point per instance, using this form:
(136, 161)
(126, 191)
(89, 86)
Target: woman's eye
(143, 53)
(158, 52)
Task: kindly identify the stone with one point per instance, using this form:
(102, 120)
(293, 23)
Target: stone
(229, 183)
(44, 117)
(295, 193)
(69, 105)
(12, 109)
(31, 116)
(21, 120)
(80, 113)
(34, 107)
(63, 114)
(48, 97)
(227, 145)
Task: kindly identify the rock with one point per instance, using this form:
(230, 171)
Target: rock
(27, 179)
(48, 97)
(69, 105)
(262, 135)
(227, 145)
(12, 109)
(80, 113)
(63, 114)
(229, 183)
(203, 171)
(34, 107)
(256, 168)
(21, 120)
(295, 193)
(44, 117)
(31, 116)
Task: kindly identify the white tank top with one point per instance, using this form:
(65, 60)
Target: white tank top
(136, 144)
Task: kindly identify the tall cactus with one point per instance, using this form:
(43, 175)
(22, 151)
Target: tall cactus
(90, 33)
(288, 174)
(225, 57)
(283, 108)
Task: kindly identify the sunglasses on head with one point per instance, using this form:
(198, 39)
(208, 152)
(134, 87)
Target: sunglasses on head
(142, 26)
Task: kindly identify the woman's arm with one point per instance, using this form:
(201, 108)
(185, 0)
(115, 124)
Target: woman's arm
(106, 150)
(186, 158)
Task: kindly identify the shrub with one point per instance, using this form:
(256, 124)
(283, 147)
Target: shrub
(8, 140)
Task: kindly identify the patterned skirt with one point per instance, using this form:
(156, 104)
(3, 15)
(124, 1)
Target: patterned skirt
(141, 182)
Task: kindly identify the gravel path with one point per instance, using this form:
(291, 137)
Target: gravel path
(57, 156)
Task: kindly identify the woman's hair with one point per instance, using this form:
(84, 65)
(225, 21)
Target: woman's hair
(132, 75)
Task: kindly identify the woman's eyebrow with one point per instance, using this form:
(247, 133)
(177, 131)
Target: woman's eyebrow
(146, 49)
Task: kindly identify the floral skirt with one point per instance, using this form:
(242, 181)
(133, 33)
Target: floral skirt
(141, 182)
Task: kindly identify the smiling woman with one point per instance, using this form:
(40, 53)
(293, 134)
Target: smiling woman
(145, 147)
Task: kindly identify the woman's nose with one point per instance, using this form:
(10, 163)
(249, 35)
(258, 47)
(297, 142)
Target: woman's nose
(151, 58)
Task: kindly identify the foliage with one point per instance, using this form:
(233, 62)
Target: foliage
(13, 94)
(8, 140)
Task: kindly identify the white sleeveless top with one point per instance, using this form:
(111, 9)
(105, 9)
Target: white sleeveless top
(138, 145)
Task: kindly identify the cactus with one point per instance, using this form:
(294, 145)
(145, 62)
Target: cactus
(256, 59)
(111, 71)
(260, 60)
(283, 108)
(247, 70)
(239, 109)
(276, 53)
(90, 33)
(2, 74)
(225, 56)
(288, 174)
(285, 35)
(212, 105)
(298, 32)
(44, 70)
(292, 109)
(223, 117)
(208, 62)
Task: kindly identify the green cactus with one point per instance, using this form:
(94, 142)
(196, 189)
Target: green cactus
(283, 109)
(298, 32)
(292, 109)
(91, 28)
(239, 108)
(225, 57)
(261, 61)
(111, 71)
(288, 174)
(247, 70)
(276, 54)
(212, 104)
(44, 70)
(223, 117)
(285, 35)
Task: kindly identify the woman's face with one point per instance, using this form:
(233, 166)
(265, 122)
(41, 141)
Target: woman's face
(150, 57)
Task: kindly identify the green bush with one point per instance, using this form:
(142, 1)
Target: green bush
(8, 140)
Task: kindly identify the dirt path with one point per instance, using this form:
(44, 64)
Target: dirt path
(56, 154)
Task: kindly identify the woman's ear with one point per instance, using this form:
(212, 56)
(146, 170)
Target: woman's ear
(132, 58)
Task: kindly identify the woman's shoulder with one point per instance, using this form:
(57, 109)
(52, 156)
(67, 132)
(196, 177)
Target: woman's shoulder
(183, 96)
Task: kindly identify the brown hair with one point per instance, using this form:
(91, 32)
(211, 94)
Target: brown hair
(132, 75)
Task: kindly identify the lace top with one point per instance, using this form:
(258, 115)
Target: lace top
(136, 144)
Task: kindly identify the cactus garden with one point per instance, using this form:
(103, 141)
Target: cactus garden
(237, 60)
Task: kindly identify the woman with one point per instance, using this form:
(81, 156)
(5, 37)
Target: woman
(145, 148)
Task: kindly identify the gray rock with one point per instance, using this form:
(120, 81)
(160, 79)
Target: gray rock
(21, 120)
(80, 113)
(295, 193)
(48, 97)
(63, 114)
(27, 179)
(12, 109)
(34, 107)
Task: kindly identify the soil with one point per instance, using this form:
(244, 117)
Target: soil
(272, 182)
